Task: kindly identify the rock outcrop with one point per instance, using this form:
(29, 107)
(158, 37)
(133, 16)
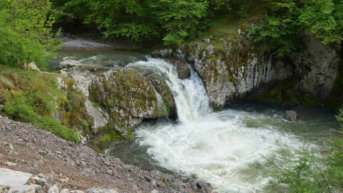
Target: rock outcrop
(236, 68)
(231, 72)
(318, 65)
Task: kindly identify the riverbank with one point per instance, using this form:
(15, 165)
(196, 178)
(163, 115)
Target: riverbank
(77, 167)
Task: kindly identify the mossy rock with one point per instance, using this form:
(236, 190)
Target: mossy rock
(128, 97)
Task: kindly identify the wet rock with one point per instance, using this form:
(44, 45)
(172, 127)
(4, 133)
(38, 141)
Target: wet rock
(183, 70)
(291, 115)
(127, 96)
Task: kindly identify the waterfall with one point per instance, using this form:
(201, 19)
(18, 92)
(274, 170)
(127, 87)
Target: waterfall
(190, 96)
(220, 148)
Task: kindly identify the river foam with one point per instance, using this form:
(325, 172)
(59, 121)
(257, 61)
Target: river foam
(219, 149)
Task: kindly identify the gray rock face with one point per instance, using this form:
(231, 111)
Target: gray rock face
(229, 73)
(232, 71)
(318, 63)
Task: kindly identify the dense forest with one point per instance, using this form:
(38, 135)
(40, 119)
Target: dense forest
(169, 22)
(30, 32)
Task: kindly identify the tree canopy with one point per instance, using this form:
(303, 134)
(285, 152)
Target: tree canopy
(289, 20)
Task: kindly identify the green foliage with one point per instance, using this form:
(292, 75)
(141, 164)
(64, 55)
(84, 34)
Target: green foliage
(172, 21)
(289, 20)
(305, 176)
(25, 32)
(313, 174)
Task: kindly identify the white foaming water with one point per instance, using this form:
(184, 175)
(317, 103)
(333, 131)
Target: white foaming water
(218, 148)
(189, 95)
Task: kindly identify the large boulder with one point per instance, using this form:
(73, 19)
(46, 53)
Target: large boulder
(128, 97)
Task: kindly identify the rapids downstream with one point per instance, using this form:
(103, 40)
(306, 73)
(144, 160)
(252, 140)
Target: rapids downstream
(234, 150)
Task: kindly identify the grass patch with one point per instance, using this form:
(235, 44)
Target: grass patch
(34, 97)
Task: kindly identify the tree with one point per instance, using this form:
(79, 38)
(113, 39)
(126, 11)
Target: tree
(25, 32)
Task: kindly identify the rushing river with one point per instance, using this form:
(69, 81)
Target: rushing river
(234, 150)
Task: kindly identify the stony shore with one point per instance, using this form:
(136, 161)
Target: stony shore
(54, 165)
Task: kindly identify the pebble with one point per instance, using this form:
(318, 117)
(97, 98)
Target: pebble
(4, 189)
(77, 191)
(54, 189)
(31, 190)
(97, 190)
(10, 163)
(40, 180)
(9, 148)
(65, 191)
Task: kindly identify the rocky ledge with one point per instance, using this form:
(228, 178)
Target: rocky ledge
(46, 163)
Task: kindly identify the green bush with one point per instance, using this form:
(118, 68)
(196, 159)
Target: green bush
(25, 32)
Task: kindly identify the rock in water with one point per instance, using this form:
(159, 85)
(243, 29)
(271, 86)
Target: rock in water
(291, 115)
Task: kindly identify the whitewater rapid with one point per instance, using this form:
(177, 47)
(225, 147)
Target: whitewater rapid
(219, 148)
